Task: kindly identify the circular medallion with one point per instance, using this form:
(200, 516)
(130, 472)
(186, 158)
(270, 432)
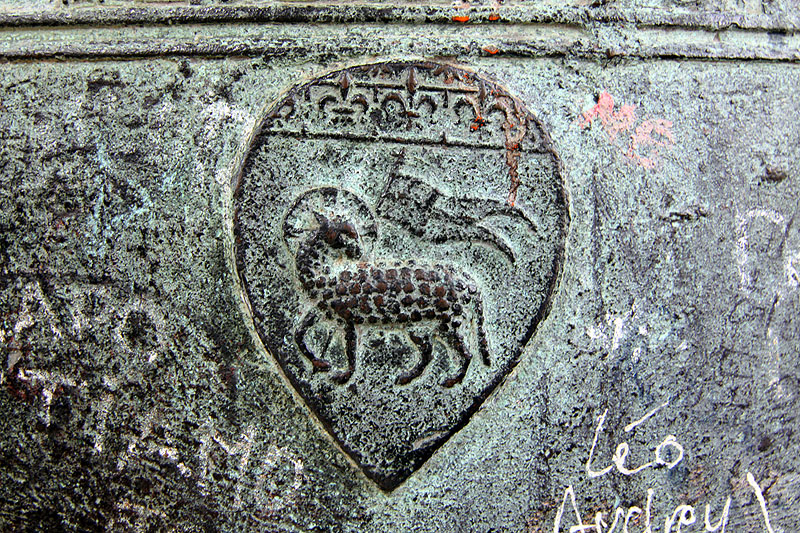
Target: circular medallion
(399, 233)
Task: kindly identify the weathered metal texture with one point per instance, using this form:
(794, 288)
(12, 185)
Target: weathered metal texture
(137, 391)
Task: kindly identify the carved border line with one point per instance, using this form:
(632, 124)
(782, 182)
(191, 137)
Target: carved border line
(371, 139)
(285, 41)
(417, 14)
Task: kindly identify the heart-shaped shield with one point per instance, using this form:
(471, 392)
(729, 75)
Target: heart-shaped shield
(399, 233)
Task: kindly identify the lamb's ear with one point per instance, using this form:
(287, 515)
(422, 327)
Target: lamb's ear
(321, 220)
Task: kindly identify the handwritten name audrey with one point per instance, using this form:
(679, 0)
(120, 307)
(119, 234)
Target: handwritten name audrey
(668, 453)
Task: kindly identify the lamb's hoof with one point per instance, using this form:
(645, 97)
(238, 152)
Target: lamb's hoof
(405, 379)
(320, 366)
(451, 382)
(342, 377)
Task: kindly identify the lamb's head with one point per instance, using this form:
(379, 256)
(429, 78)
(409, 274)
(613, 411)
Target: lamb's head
(328, 225)
(340, 235)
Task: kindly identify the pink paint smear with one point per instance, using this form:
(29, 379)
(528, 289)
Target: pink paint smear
(644, 142)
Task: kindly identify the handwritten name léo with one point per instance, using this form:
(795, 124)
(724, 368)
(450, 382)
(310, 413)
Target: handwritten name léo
(622, 451)
(683, 515)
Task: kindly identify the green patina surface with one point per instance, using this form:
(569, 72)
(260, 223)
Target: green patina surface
(137, 395)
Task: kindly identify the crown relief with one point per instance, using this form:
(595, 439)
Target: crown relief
(418, 106)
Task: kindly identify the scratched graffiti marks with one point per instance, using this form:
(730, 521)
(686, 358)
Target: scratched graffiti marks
(92, 372)
(399, 232)
(70, 393)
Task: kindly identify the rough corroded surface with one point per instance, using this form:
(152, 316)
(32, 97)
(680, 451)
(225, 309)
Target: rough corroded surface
(136, 394)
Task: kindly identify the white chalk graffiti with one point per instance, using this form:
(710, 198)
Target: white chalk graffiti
(741, 252)
(598, 332)
(622, 451)
(682, 515)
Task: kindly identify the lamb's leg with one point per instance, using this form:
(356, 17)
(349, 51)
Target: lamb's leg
(483, 345)
(457, 341)
(425, 351)
(307, 323)
(350, 348)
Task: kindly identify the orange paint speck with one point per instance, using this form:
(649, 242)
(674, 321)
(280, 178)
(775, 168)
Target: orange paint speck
(490, 50)
(477, 123)
(494, 16)
(461, 18)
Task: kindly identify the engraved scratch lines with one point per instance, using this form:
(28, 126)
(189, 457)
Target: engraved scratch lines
(135, 334)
